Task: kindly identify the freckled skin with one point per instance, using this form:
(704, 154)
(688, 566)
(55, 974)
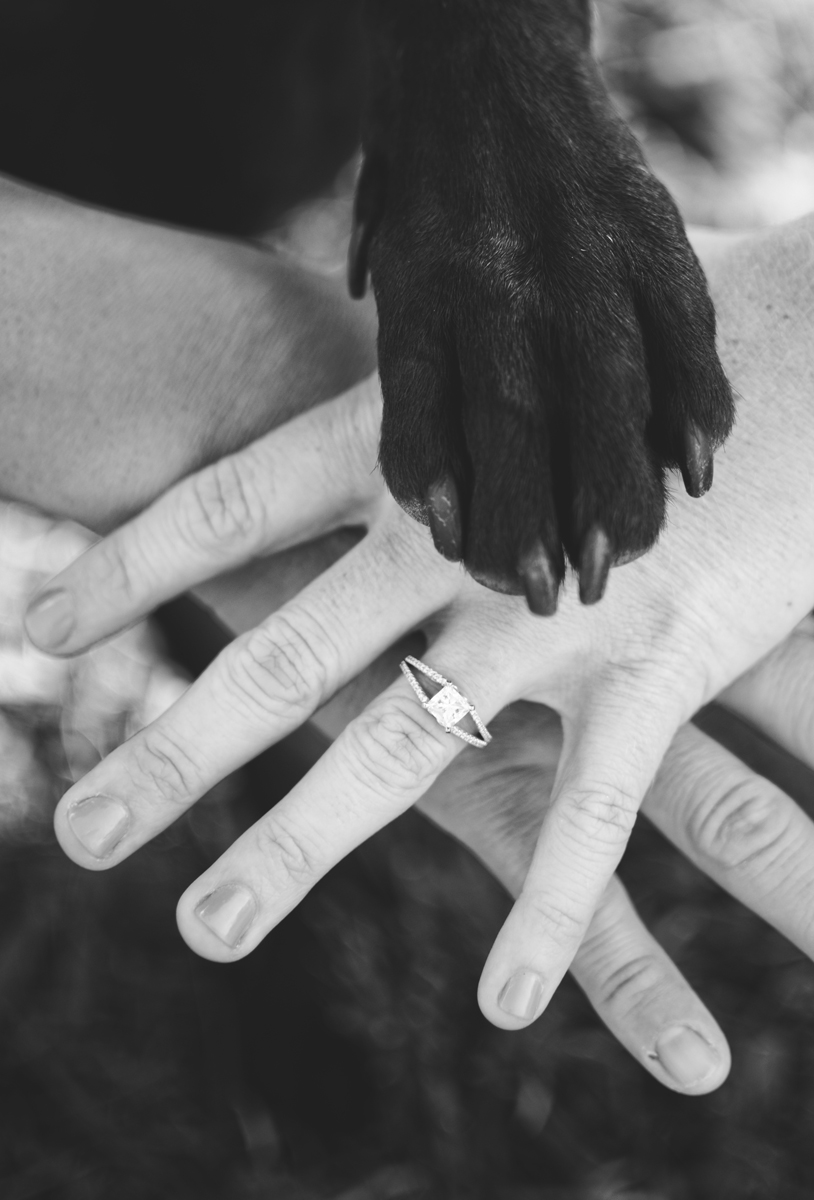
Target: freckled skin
(547, 340)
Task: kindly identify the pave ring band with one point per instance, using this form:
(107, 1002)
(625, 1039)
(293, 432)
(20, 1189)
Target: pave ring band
(447, 706)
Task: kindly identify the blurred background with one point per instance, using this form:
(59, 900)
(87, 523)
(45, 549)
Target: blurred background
(721, 93)
(346, 1059)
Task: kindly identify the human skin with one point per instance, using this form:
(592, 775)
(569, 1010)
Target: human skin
(676, 628)
(177, 343)
(133, 353)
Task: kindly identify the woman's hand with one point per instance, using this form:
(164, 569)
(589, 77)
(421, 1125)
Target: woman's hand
(730, 579)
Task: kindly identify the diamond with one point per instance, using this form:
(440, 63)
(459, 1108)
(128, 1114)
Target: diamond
(448, 706)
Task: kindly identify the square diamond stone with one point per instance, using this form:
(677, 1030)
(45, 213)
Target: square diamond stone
(448, 706)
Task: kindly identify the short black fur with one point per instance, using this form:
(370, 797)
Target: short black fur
(547, 340)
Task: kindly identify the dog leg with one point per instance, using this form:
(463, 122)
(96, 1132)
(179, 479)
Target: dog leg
(546, 337)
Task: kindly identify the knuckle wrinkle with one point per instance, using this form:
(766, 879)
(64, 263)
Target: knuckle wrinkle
(740, 826)
(632, 984)
(392, 750)
(280, 670)
(286, 856)
(603, 817)
(165, 766)
(224, 508)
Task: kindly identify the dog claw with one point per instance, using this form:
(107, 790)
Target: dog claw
(357, 259)
(540, 582)
(595, 561)
(698, 460)
(367, 209)
(444, 512)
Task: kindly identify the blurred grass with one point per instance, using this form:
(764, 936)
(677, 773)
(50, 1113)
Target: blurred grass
(721, 92)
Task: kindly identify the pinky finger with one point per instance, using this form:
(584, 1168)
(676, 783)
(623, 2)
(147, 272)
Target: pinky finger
(645, 1001)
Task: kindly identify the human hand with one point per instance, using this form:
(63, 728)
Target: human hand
(675, 628)
(105, 695)
(724, 816)
(496, 812)
(736, 826)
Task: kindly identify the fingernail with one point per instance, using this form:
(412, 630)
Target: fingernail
(521, 997)
(686, 1056)
(228, 912)
(444, 513)
(50, 619)
(98, 823)
(595, 561)
(539, 580)
(699, 461)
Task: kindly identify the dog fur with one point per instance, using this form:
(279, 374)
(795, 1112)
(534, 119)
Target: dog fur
(547, 340)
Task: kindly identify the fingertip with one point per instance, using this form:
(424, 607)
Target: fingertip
(219, 922)
(514, 990)
(689, 1059)
(91, 828)
(522, 995)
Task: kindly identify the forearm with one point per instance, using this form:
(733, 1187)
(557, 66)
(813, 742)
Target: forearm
(131, 353)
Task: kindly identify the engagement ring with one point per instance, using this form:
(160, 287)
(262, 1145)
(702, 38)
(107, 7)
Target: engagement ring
(447, 706)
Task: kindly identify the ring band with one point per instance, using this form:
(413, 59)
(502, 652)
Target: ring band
(447, 706)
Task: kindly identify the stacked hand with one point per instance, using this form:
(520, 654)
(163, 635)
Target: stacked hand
(731, 579)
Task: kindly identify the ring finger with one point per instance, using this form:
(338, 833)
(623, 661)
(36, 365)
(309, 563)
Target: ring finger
(379, 765)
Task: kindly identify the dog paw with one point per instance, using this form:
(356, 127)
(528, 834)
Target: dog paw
(546, 337)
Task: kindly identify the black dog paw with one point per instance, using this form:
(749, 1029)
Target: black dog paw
(547, 340)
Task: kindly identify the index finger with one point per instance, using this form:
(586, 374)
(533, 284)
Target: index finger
(312, 475)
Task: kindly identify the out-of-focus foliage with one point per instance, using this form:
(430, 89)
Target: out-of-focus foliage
(61, 716)
(721, 92)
